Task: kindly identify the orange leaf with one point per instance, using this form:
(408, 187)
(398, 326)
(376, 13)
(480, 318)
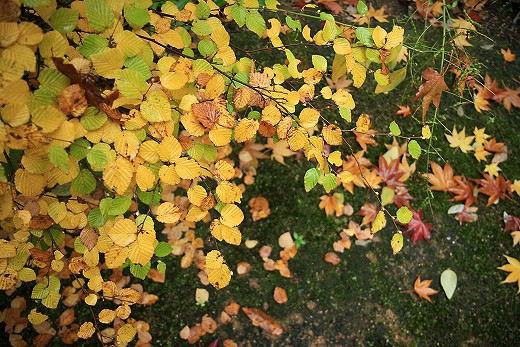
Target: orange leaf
(431, 90)
(441, 179)
(263, 320)
(332, 258)
(422, 288)
(280, 295)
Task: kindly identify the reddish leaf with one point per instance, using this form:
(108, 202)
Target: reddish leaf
(402, 197)
(431, 90)
(390, 173)
(495, 188)
(494, 146)
(369, 212)
(512, 223)
(463, 191)
(263, 320)
(422, 288)
(404, 111)
(441, 179)
(509, 97)
(417, 228)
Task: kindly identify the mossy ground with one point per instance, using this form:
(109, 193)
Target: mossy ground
(359, 302)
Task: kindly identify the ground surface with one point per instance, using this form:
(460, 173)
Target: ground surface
(359, 301)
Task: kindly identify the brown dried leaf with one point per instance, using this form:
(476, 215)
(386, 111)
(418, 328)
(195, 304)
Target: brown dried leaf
(280, 295)
(332, 258)
(263, 320)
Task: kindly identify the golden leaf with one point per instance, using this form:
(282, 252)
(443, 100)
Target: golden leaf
(149, 151)
(36, 317)
(123, 232)
(91, 299)
(127, 144)
(168, 213)
(126, 333)
(220, 136)
(363, 123)
(106, 316)
(332, 135)
(196, 194)
(215, 87)
(8, 279)
(246, 129)
(108, 62)
(221, 232)
(168, 175)
(231, 215)
(228, 193)
(187, 168)
(118, 175)
(379, 222)
(115, 256)
(7, 249)
(29, 184)
(145, 178)
(141, 250)
(129, 296)
(224, 170)
(86, 330)
(217, 270)
(397, 243)
(297, 138)
(309, 117)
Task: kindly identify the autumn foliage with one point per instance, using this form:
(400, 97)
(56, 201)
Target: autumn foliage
(124, 126)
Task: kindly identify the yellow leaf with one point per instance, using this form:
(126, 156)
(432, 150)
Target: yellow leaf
(168, 213)
(332, 135)
(7, 249)
(379, 36)
(27, 274)
(169, 149)
(48, 118)
(145, 178)
(335, 158)
(106, 316)
(118, 175)
(174, 80)
(231, 215)
(129, 296)
(57, 211)
(123, 232)
(309, 117)
(215, 87)
(342, 98)
(228, 193)
(426, 132)
(224, 170)
(379, 223)
(141, 250)
(108, 62)
(149, 151)
(36, 317)
(514, 268)
(86, 330)
(508, 55)
(127, 144)
(195, 214)
(91, 299)
(394, 37)
(363, 123)
(271, 114)
(217, 270)
(126, 333)
(222, 232)
(168, 175)
(115, 256)
(156, 107)
(297, 138)
(128, 43)
(460, 140)
(187, 168)
(220, 136)
(29, 184)
(246, 129)
(397, 243)
(342, 46)
(196, 194)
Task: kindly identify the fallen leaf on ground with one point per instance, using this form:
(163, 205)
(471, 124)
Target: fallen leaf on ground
(508, 55)
(263, 320)
(259, 208)
(422, 288)
(280, 295)
(460, 140)
(514, 268)
(417, 228)
(243, 268)
(431, 89)
(286, 240)
(441, 178)
(403, 111)
(332, 258)
(232, 309)
(494, 188)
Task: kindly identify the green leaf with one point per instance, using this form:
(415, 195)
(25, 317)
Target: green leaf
(36, 3)
(414, 149)
(98, 155)
(201, 28)
(329, 182)
(364, 35)
(196, 151)
(146, 197)
(119, 205)
(394, 129)
(255, 22)
(93, 44)
(239, 13)
(362, 8)
(64, 19)
(387, 195)
(59, 157)
(131, 83)
(79, 149)
(295, 25)
(449, 282)
(330, 30)
(3, 177)
(161, 266)
(210, 153)
(53, 237)
(140, 271)
(99, 14)
(39, 291)
(138, 64)
(85, 183)
(207, 47)
(404, 215)
(319, 62)
(53, 81)
(95, 218)
(345, 113)
(162, 249)
(395, 77)
(202, 11)
(311, 179)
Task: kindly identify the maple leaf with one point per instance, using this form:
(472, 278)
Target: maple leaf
(422, 288)
(515, 187)
(402, 197)
(366, 138)
(509, 98)
(331, 5)
(280, 150)
(331, 204)
(516, 237)
(480, 102)
(369, 212)
(514, 268)
(441, 179)
(481, 153)
(508, 55)
(480, 135)
(431, 90)
(512, 223)
(426, 10)
(403, 111)
(378, 15)
(463, 191)
(341, 83)
(390, 173)
(460, 140)
(494, 188)
(417, 228)
(492, 169)
(464, 213)
(494, 146)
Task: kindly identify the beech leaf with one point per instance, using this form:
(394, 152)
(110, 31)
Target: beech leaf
(449, 282)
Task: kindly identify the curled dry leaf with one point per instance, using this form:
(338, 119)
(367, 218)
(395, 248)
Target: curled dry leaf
(251, 243)
(208, 324)
(232, 309)
(332, 258)
(185, 333)
(229, 343)
(285, 240)
(243, 268)
(265, 252)
(225, 318)
(259, 208)
(263, 320)
(280, 295)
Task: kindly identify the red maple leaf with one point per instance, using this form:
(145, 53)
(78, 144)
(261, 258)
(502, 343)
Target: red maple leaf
(369, 212)
(402, 197)
(509, 97)
(463, 191)
(390, 173)
(495, 188)
(417, 228)
(404, 111)
(512, 223)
